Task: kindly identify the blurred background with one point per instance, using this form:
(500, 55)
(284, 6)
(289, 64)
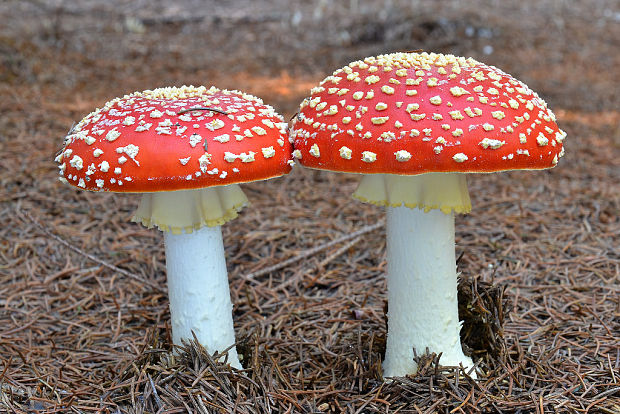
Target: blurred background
(566, 50)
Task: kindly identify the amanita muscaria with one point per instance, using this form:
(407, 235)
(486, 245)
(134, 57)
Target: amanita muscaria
(186, 149)
(413, 124)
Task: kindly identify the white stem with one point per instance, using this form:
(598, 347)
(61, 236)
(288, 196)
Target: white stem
(422, 296)
(198, 290)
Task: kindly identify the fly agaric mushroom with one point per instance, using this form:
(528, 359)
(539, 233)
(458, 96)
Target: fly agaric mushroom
(186, 149)
(413, 124)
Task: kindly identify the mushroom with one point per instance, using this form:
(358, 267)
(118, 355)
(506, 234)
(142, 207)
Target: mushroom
(413, 124)
(186, 149)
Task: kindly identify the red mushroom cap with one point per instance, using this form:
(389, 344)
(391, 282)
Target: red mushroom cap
(410, 113)
(148, 142)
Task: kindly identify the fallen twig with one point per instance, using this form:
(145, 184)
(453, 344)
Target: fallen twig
(314, 250)
(48, 232)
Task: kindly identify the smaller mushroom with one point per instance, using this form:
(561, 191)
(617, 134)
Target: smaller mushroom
(186, 149)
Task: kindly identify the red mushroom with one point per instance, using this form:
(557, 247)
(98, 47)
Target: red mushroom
(186, 149)
(413, 123)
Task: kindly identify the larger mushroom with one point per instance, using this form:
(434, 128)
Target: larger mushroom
(186, 149)
(413, 124)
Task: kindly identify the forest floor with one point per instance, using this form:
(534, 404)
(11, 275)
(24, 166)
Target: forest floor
(540, 250)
